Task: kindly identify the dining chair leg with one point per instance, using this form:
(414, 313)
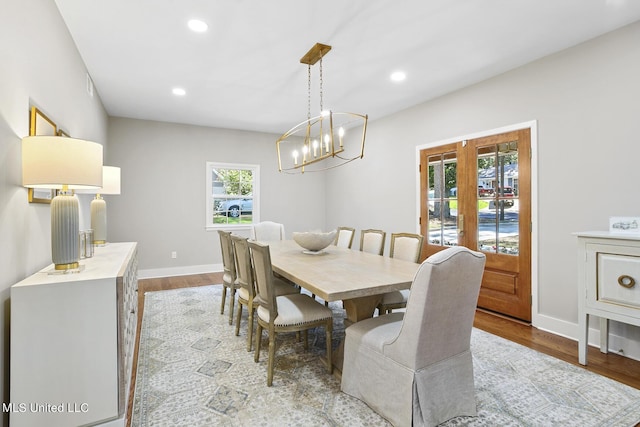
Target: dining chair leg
(306, 339)
(329, 337)
(251, 310)
(224, 298)
(272, 356)
(256, 355)
(238, 317)
(232, 299)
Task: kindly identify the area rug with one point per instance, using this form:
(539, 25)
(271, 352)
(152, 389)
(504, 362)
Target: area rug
(194, 371)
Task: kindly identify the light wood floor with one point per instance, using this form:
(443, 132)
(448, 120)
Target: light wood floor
(610, 365)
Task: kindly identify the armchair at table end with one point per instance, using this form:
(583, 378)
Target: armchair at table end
(415, 368)
(267, 231)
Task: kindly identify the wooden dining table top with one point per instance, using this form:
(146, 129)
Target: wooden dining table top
(338, 273)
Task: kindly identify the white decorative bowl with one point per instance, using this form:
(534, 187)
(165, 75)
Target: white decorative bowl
(314, 241)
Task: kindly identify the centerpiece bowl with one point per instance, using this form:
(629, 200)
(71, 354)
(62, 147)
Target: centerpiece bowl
(314, 241)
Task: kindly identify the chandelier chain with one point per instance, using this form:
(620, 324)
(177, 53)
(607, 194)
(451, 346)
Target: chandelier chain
(321, 109)
(308, 91)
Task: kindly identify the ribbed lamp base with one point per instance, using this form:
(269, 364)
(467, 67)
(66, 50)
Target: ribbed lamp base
(99, 220)
(65, 230)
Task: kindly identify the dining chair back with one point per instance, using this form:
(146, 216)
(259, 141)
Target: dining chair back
(372, 241)
(344, 237)
(284, 313)
(406, 246)
(422, 356)
(229, 272)
(246, 286)
(267, 231)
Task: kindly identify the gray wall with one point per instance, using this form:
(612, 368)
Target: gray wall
(40, 66)
(162, 205)
(585, 101)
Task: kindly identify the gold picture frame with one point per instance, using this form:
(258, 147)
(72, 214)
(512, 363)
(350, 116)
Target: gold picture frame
(40, 124)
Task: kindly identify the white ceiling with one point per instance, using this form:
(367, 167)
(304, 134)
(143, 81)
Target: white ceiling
(244, 72)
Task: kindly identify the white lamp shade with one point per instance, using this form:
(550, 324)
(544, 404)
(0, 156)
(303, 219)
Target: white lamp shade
(55, 161)
(110, 180)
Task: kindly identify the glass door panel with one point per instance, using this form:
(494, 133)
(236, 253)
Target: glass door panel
(442, 201)
(498, 214)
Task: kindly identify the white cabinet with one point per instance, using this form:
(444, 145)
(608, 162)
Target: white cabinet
(72, 341)
(608, 284)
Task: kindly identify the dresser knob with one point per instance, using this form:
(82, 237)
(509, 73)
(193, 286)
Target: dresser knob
(626, 281)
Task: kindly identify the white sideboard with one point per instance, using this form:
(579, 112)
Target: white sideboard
(72, 341)
(608, 284)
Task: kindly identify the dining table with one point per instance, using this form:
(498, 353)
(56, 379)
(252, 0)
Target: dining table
(358, 279)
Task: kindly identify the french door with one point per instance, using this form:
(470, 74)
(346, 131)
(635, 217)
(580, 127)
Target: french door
(477, 193)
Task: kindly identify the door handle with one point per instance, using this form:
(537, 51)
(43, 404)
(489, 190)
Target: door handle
(461, 224)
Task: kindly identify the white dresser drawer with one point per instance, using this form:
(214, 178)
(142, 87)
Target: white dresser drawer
(608, 284)
(618, 280)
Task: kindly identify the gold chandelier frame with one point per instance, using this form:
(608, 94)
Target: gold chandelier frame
(319, 142)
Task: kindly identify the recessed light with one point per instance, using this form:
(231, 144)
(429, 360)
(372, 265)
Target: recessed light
(197, 25)
(178, 91)
(398, 76)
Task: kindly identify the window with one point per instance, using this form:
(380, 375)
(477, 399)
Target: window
(232, 194)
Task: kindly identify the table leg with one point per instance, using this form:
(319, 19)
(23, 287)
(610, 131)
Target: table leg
(361, 308)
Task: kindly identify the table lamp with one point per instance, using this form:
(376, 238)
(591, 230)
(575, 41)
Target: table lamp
(55, 162)
(110, 185)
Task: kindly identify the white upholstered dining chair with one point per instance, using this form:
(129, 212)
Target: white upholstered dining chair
(267, 231)
(408, 247)
(415, 368)
(245, 285)
(344, 237)
(285, 313)
(372, 241)
(229, 272)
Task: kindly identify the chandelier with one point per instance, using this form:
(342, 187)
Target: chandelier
(323, 142)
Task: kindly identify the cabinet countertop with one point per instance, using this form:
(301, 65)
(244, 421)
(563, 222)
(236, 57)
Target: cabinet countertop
(607, 235)
(96, 267)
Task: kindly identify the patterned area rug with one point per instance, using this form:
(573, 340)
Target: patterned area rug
(194, 371)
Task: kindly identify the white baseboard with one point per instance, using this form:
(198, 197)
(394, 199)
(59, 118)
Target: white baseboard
(179, 271)
(631, 348)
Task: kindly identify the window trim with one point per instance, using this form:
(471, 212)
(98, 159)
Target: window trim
(255, 169)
